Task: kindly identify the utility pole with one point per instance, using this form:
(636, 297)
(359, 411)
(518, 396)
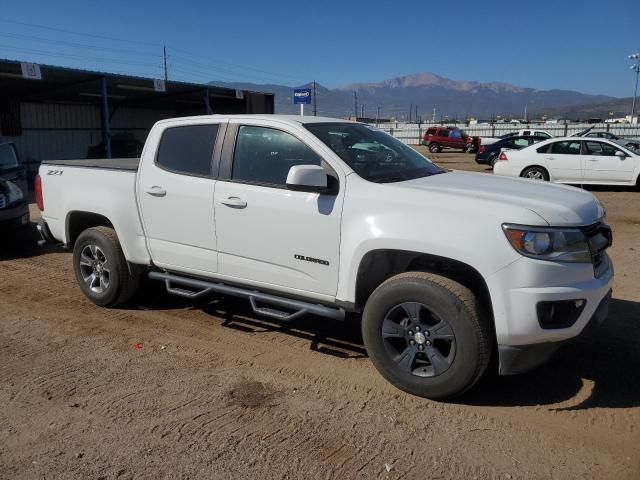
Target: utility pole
(377, 114)
(416, 117)
(362, 111)
(635, 68)
(355, 104)
(433, 119)
(315, 104)
(164, 54)
(410, 111)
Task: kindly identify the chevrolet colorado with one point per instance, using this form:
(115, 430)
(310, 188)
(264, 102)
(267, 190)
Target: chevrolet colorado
(323, 216)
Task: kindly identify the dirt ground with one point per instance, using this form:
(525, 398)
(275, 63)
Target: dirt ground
(166, 389)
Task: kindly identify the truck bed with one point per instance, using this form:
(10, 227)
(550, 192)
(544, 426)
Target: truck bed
(128, 164)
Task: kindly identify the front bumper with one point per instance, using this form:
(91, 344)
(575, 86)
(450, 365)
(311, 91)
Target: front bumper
(522, 358)
(14, 217)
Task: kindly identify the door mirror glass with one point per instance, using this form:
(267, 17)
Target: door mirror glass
(620, 155)
(307, 178)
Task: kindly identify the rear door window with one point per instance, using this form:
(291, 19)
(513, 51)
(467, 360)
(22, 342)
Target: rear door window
(188, 150)
(443, 133)
(569, 147)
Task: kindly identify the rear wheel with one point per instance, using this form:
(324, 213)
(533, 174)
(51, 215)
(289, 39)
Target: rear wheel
(427, 335)
(493, 160)
(434, 147)
(101, 270)
(536, 173)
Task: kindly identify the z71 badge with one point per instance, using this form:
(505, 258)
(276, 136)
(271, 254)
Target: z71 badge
(55, 172)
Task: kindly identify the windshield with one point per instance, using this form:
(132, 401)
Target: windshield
(8, 157)
(374, 155)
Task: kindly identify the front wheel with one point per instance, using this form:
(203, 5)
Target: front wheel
(536, 173)
(101, 270)
(427, 335)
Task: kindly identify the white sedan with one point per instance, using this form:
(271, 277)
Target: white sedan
(573, 160)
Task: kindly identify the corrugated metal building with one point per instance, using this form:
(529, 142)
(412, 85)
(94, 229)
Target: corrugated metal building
(61, 113)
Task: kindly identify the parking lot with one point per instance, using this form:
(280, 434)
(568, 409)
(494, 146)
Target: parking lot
(166, 389)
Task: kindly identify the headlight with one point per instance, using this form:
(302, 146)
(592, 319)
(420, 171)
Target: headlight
(559, 245)
(15, 193)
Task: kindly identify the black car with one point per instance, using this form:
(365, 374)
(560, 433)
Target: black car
(488, 154)
(14, 210)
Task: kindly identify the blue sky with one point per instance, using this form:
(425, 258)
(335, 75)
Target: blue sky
(571, 45)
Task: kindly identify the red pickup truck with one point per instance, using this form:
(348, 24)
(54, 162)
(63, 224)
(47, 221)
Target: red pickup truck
(437, 138)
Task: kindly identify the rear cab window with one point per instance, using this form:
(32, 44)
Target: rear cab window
(188, 150)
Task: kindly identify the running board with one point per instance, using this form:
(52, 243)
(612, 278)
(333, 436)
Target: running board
(256, 298)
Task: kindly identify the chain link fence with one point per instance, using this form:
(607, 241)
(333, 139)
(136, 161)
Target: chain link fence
(412, 133)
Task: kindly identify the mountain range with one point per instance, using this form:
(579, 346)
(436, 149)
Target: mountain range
(450, 98)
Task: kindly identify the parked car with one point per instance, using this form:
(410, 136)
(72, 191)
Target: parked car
(488, 154)
(14, 210)
(573, 160)
(633, 143)
(525, 132)
(291, 212)
(437, 138)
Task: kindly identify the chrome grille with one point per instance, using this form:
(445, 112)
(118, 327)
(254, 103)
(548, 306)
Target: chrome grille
(600, 238)
(3, 201)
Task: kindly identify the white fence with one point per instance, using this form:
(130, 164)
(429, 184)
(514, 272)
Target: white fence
(412, 133)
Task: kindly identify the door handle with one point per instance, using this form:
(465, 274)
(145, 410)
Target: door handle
(593, 159)
(234, 202)
(156, 191)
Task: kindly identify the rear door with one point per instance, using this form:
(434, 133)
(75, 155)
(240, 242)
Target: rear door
(564, 161)
(175, 196)
(443, 137)
(602, 164)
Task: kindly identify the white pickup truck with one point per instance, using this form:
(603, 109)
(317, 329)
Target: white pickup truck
(310, 215)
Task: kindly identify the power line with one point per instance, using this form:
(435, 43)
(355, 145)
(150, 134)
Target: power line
(77, 45)
(279, 75)
(75, 56)
(25, 24)
(208, 67)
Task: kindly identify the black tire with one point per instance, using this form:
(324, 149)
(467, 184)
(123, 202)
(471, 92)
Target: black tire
(443, 302)
(115, 281)
(493, 160)
(434, 147)
(536, 173)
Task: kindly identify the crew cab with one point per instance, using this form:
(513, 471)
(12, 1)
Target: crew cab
(311, 215)
(437, 138)
(14, 210)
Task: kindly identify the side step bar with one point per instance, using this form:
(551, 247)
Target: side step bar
(203, 288)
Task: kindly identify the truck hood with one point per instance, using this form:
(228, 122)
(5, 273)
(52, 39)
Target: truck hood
(558, 205)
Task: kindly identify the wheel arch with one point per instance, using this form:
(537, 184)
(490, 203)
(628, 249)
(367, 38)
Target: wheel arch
(78, 221)
(378, 265)
(542, 167)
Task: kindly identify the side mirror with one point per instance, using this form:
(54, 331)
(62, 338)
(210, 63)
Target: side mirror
(307, 178)
(620, 155)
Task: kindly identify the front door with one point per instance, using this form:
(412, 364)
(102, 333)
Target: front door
(175, 195)
(602, 164)
(270, 234)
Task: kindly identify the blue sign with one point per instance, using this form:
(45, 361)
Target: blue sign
(301, 95)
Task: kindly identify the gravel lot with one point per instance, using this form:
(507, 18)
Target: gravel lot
(166, 389)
